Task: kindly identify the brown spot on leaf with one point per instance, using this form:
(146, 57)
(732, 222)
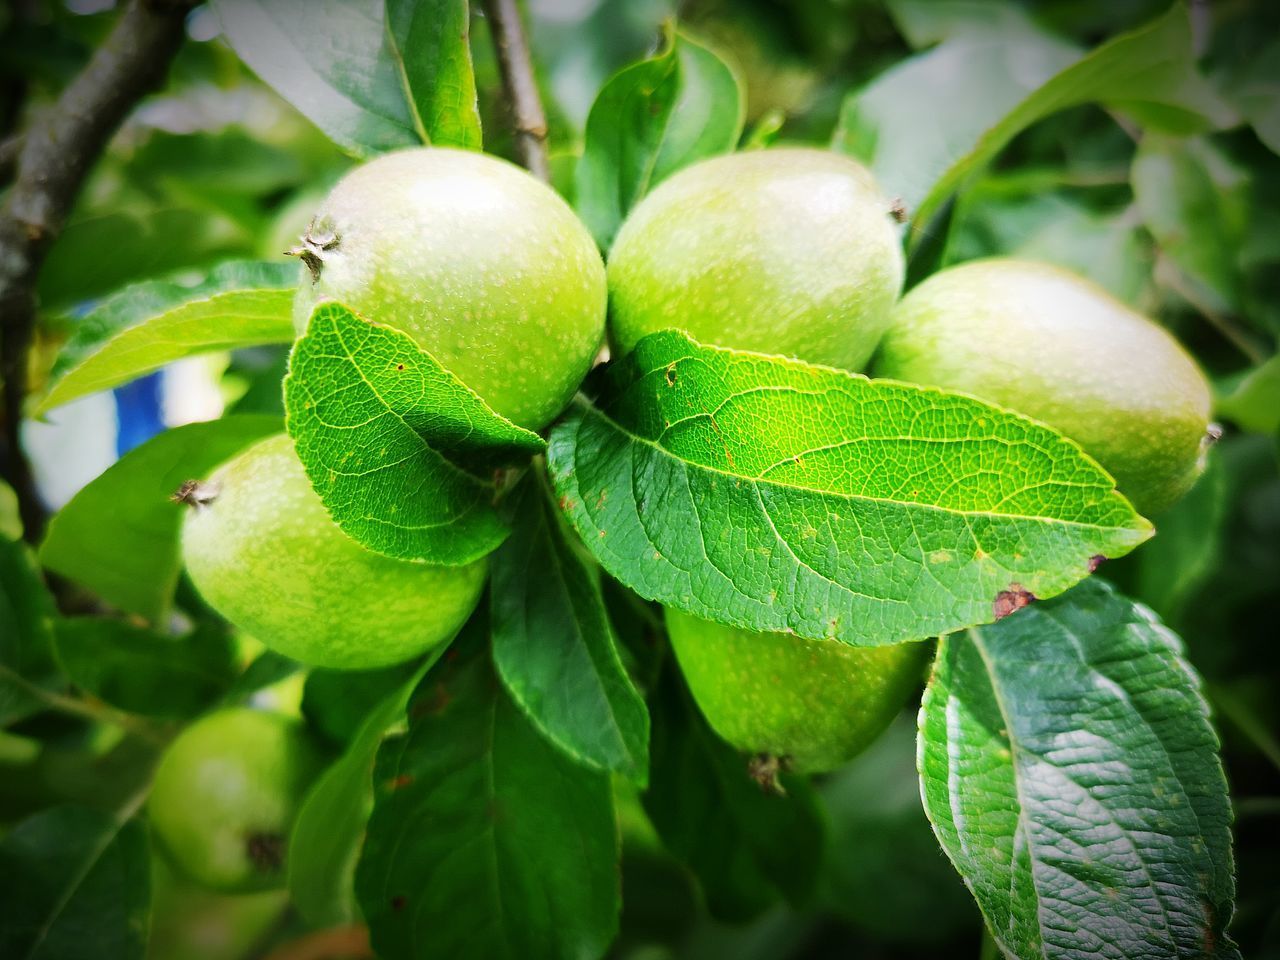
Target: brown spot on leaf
(434, 701)
(399, 366)
(671, 375)
(1011, 600)
(265, 851)
(399, 902)
(898, 210)
(402, 780)
(1096, 561)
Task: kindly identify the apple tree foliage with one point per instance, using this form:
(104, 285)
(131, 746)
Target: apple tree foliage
(545, 788)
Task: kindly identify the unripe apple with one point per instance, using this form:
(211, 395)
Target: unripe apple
(806, 705)
(226, 793)
(789, 251)
(484, 266)
(1052, 345)
(263, 551)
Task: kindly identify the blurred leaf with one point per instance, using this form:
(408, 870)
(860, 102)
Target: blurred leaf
(146, 326)
(332, 59)
(910, 138)
(74, 883)
(10, 518)
(232, 160)
(1103, 823)
(1195, 201)
(823, 523)
(266, 669)
(119, 536)
(326, 837)
(485, 840)
(431, 46)
(98, 255)
(1256, 92)
(1108, 248)
(1183, 555)
(926, 22)
(379, 423)
(1254, 404)
(1148, 73)
(746, 846)
(26, 633)
(142, 671)
(882, 864)
(649, 120)
(553, 647)
(337, 702)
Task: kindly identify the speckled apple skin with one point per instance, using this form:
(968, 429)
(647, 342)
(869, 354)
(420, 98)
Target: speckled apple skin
(484, 266)
(267, 556)
(789, 251)
(1054, 346)
(817, 703)
(231, 776)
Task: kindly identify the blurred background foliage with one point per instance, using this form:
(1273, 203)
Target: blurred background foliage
(1184, 227)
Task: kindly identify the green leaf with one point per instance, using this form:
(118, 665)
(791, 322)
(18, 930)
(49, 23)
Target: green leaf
(26, 633)
(747, 847)
(485, 840)
(1195, 201)
(382, 429)
(325, 841)
(74, 883)
(1148, 73)
(774, 495)
(145, 672)
(649, 120)
(148, 325)
(432, 48)
(333, 60)
(96, 256)
(553, 647)
(1254, 404)
(1072, 776)
(119, 536)
(336, 703)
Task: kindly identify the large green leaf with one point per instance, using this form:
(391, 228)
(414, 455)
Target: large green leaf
(485, 840)
(1072, 776)
(381, 428)
(325, 841)
(26, 632)
(774, 495)
(143, 671)
(148, 325)
(75, 884)
(1148, 73)
(649, 120)
(747, 847)
(1195, 201)
(431, 44)
(1254, 404)
(553, 647)
(333, 60)
(119, 536)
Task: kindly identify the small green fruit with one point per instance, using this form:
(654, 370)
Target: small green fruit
(263, 551)
(484, 266)
(1049, 344)
(809, 704)
(225, 796)
(790, 251)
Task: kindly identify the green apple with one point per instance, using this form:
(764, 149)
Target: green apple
(484, 266)
(262, 550)
(810, 705)
(226, 793)
(1049, 344)
(789, 251)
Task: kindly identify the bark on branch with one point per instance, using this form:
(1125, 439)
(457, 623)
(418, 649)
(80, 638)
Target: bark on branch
(57, 152)
(516, 66)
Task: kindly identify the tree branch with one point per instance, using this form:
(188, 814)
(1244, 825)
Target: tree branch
(57, 151)
(516, 64)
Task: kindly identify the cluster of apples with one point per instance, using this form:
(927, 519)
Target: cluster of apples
(790, 251)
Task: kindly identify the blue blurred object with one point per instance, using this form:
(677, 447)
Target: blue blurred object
(139, 411)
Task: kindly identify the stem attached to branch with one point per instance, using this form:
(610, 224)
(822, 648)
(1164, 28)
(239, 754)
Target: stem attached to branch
(57, 152)
(516, 64)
